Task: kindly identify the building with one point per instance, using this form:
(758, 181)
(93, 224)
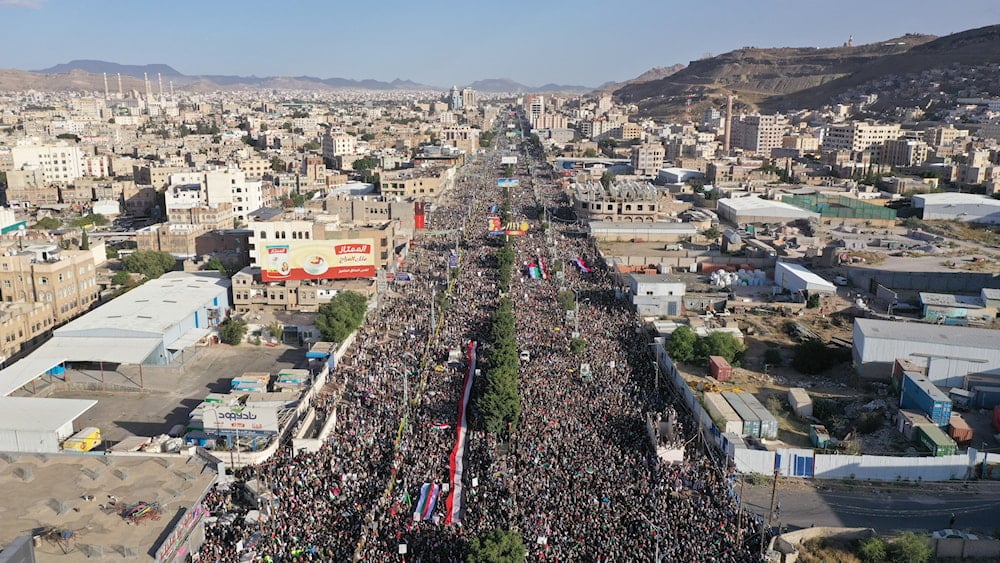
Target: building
(59, 164)
(470, 98)
(904, 152)
(416, 182)
(656, 294)
(335, 145)
(758, 134)
(365, 210)
(454, 99)
(65, 280)
(949, 352)
(463, 138)
(859, 136)
(952, 206)
(754, 210)
(179, 239)
(798, 279)
(647, 159)
(628, 202)
(33, 425)
(951, 309)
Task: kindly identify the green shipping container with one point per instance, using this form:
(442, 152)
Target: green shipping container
(936, 441)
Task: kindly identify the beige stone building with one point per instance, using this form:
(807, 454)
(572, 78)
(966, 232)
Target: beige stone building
(66, 280)
(23, 325)
(625, 202)
(647, 159)
(416, 182)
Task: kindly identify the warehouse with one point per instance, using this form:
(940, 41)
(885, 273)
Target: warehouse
(950, 206)
(754, 210)
(797, 278)
(38, 425)
(948, 352)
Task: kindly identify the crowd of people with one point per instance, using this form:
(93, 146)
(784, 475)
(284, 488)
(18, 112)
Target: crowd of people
(579, 477)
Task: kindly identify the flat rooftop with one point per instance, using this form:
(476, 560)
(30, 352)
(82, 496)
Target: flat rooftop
(49, 490)
(930, 333)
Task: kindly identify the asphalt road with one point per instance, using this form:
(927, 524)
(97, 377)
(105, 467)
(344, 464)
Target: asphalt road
(884, 507)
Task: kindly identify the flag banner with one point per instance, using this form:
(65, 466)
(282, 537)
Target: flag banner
(441, 426)
(432, 497)
(418, 512)
(541, 267)
(454, 502)
(581, 264)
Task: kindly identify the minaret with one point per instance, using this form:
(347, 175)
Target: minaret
(121, 93)
(171, 89)
(159, 78)
(728, 124)
(149, 89)
(105, 86)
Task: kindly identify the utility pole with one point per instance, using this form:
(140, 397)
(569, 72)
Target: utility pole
(739, 516)
(774, 497)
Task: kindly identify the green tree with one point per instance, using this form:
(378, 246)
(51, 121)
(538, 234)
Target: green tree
(908, 547)
(366, 163)
(121, 278)
(47, 224)
(872, 550)
(277, 330)
(232, 331)
(91, 219)
(72, 136)
(498, 546)
(566, 299)
(712, 233)
(577, 345)
(277, 164)
(607, 179)
(150, 263)
(590, 153)
(227, 269)
(682, 343)
(813, 301)
(719, 344)
(84, 240)
(340, 317)
(814, 357)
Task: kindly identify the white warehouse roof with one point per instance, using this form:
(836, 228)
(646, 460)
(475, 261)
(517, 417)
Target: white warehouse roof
(755, 206)
(30, 413)
(969, 337)
(810, 278)
(954, 198)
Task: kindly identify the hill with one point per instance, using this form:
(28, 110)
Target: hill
(99, 67)
(758, 75)
(655, 73)
(504, 85)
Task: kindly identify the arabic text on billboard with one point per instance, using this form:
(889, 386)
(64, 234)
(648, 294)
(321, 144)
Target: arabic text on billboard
(495, 225)
(508, 160)
(250, 419)
(507, 183)
(315, 260)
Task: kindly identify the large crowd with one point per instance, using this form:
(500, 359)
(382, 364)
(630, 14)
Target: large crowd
(578, 477)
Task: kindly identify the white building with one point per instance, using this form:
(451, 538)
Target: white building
(215, 187)
(657, 294)
(859, 136)
(338, 144)
(949, 352)
(29, 424)
(749, 210)
(60, 164)
(950, 206)
(797, 278)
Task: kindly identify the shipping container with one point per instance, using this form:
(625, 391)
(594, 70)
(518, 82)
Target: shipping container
(724, 416)
(986, 397)
(920, 394)
(768, 424)
(899, 366)
(934, 440)
(959, 430)
(818, 435)
(982, 380)
(84, 440)
(732, 441)
(908, 421)
(720, 368)
(800, 401)
(961, 398)
(751, 422)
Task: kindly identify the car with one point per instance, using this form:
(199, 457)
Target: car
(840, 280)
(525, 357)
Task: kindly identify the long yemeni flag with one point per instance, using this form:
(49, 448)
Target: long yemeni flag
(454, 503)
(432, 497)
(418, 512)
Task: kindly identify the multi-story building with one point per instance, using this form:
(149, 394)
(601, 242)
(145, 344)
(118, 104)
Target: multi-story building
(647, 159)
(534, 106)
(454, 99)
(177, 239)
(416, 182)
(470, 98)
(64, 279)
(462, 137)
(23, 325)
(904, 152)
(758, 134)
(859, 136)
(626, 202)
(335, 145)
(631, 131)
(59, 164)
(371, 209)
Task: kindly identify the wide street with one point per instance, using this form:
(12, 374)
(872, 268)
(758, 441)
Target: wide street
(883, 506)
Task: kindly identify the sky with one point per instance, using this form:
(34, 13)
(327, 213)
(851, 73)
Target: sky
(448, 42)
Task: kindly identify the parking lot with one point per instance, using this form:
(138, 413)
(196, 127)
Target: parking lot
(168, 394)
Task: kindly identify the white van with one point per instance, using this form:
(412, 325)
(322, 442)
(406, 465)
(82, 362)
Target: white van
(525, 357)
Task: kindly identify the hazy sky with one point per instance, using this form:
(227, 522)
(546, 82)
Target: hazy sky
(445, 42)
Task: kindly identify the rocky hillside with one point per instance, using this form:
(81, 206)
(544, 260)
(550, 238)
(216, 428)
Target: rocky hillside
(784, 78)
(655, 73)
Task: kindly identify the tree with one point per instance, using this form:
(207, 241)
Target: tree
(719, 344)
(72, 136)
(589, 153)
(872, 550)
(814, 357)
(277, 330)
(277, 164)
(712, 233)
(121, 278)
(498, 546)
(226, 269)
(908, 547)
(773, 357)
(47, 224)
(577, 345)
(813, 301)
(682, 343)
(607, 179)
(340, 317)
(366, 163)
(91, 219)
(150, 263)
(84, 240)
(232, 331)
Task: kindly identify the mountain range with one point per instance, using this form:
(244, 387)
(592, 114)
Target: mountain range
(781, 79)
(88, 74)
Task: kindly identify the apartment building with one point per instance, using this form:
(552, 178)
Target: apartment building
(23, 324)
(625, 202)
(334, 145)
(59, 163)
(758, 134)
(180, 240)
(371, 209)
(904, 152)
(66, 280)
(461, 137)
(416, 182)
(859, 136)
(630, 131)
(647, 159)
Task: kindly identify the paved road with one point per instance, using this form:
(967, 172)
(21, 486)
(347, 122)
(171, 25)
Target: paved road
(884, 507)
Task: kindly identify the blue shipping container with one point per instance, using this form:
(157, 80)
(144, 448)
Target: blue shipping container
(751, 422)
(922, 395)
(987, 397)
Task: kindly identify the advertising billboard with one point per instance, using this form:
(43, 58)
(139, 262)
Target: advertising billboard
(508, 183)
(318, 260)
(508, 160)
(235, 418)
(494, 225)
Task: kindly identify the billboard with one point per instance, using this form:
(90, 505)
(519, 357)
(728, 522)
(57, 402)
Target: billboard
(507, 183)
(318, 260)
(494, 225)
(235, 418)
(508, 160)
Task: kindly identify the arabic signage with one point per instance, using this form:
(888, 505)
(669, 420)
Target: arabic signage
(233, 419)
(317, 260)
(508, 183)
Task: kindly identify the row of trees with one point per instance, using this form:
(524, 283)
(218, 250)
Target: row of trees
(340, 317)
(687, 346)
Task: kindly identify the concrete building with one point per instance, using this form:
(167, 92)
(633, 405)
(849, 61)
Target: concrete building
(859, 136)
(799, 279)
(416, 182)
(33, 425)
(949, 352)
(758, 134)
(462, 137)
(647, 159)
(947, 308)
(656, 294)
(952, 206)
(754, 210)
(628, 202)
(59, 163)
(65, 280)
(366, 210)
(337, 144)
(904, 152)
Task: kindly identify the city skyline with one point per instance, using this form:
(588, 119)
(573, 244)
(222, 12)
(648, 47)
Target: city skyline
(449, 43)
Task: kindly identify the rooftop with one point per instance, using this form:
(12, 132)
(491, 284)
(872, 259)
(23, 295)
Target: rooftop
(771, 207)
(30, 413)
(929, 333)
(949, 300)
(954, 198)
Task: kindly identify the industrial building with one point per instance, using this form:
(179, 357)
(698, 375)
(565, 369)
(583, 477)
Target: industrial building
(948, 352)
(754, 210)
(958, 309)
(950, 206)
(38, 425)
(656, 294)
(798, 279)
